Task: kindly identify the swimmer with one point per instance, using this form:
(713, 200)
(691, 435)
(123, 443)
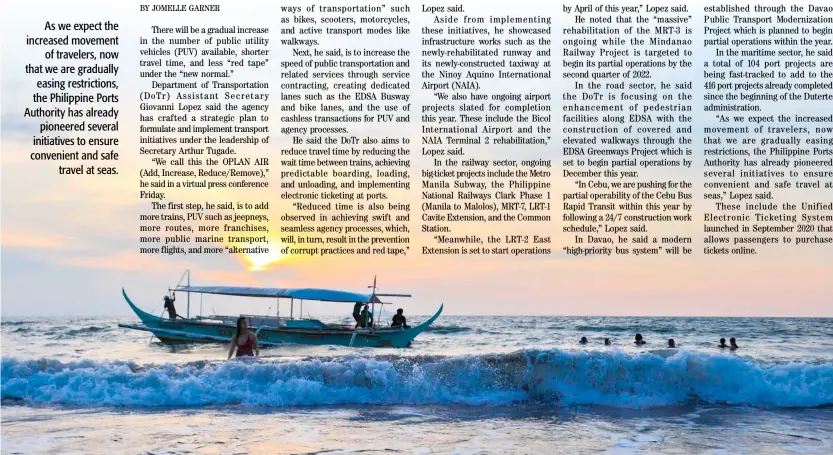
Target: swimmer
(638, 340)
(583, 340)
(722, 344)
(671, 343)
(607, 341)
(732, 344)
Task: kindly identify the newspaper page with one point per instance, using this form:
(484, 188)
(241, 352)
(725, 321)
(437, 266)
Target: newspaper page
(401, 227)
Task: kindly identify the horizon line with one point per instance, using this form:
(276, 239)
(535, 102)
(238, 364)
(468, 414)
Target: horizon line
(3, 317)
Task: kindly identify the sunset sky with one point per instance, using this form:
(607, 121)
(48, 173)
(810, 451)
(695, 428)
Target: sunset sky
(70, 243)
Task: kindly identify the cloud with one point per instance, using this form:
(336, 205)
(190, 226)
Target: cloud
(15, 129)
(33, 240)
(127, 260)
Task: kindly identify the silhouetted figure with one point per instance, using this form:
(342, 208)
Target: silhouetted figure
(722, 344)
(367, 317)
(607, 341)
(583, 340)
(170, 308)
(671, 343)
(357, 314)
(399, 320)
(638, 340)
(732, 344)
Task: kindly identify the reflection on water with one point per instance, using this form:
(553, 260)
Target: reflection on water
(464, 387)
(385, 430)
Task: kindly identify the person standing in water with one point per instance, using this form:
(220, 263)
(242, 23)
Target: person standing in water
(607, 341)
(671, 343)
(732, 344)
(722, 344)
(244, 340)
(638, 340)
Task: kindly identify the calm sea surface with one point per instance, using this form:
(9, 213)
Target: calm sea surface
(472, 385)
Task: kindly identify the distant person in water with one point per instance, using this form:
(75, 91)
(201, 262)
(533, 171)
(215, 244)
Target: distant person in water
(357, 314)
(671, 343)
(732, 344)
(607, 341)
(170, 308)
(367, 317)
(722, 344)
(583, 340)
(244, 340)
(399, 320)
(638, 340)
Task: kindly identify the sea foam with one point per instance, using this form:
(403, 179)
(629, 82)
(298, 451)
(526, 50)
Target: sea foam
(553, 377)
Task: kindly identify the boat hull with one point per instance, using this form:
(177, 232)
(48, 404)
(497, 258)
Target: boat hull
(195, 331)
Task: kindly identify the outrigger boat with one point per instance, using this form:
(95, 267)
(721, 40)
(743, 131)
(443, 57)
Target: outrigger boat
(274, 330)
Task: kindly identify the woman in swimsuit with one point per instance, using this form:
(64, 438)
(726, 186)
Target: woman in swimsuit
(244, 340)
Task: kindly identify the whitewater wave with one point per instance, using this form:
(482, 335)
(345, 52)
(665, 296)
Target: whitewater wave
(554, 377)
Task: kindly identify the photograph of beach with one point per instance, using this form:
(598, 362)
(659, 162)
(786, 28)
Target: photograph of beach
(466, 384)
(260, 227)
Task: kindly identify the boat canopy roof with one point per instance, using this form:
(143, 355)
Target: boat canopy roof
(322, 295)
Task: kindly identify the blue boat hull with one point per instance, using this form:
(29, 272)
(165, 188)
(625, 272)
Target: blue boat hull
(196, 331)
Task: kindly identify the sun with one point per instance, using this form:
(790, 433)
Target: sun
(259, 262)
(260, 259)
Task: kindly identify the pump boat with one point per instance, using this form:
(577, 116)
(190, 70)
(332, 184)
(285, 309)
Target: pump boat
(275, 330)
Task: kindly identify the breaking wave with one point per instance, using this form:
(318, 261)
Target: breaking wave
(553, 377)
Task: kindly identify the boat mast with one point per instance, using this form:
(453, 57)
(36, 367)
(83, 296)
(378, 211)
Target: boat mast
(373, 302)
(188, 295)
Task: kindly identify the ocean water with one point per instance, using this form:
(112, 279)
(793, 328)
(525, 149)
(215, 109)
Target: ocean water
(471, 385)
